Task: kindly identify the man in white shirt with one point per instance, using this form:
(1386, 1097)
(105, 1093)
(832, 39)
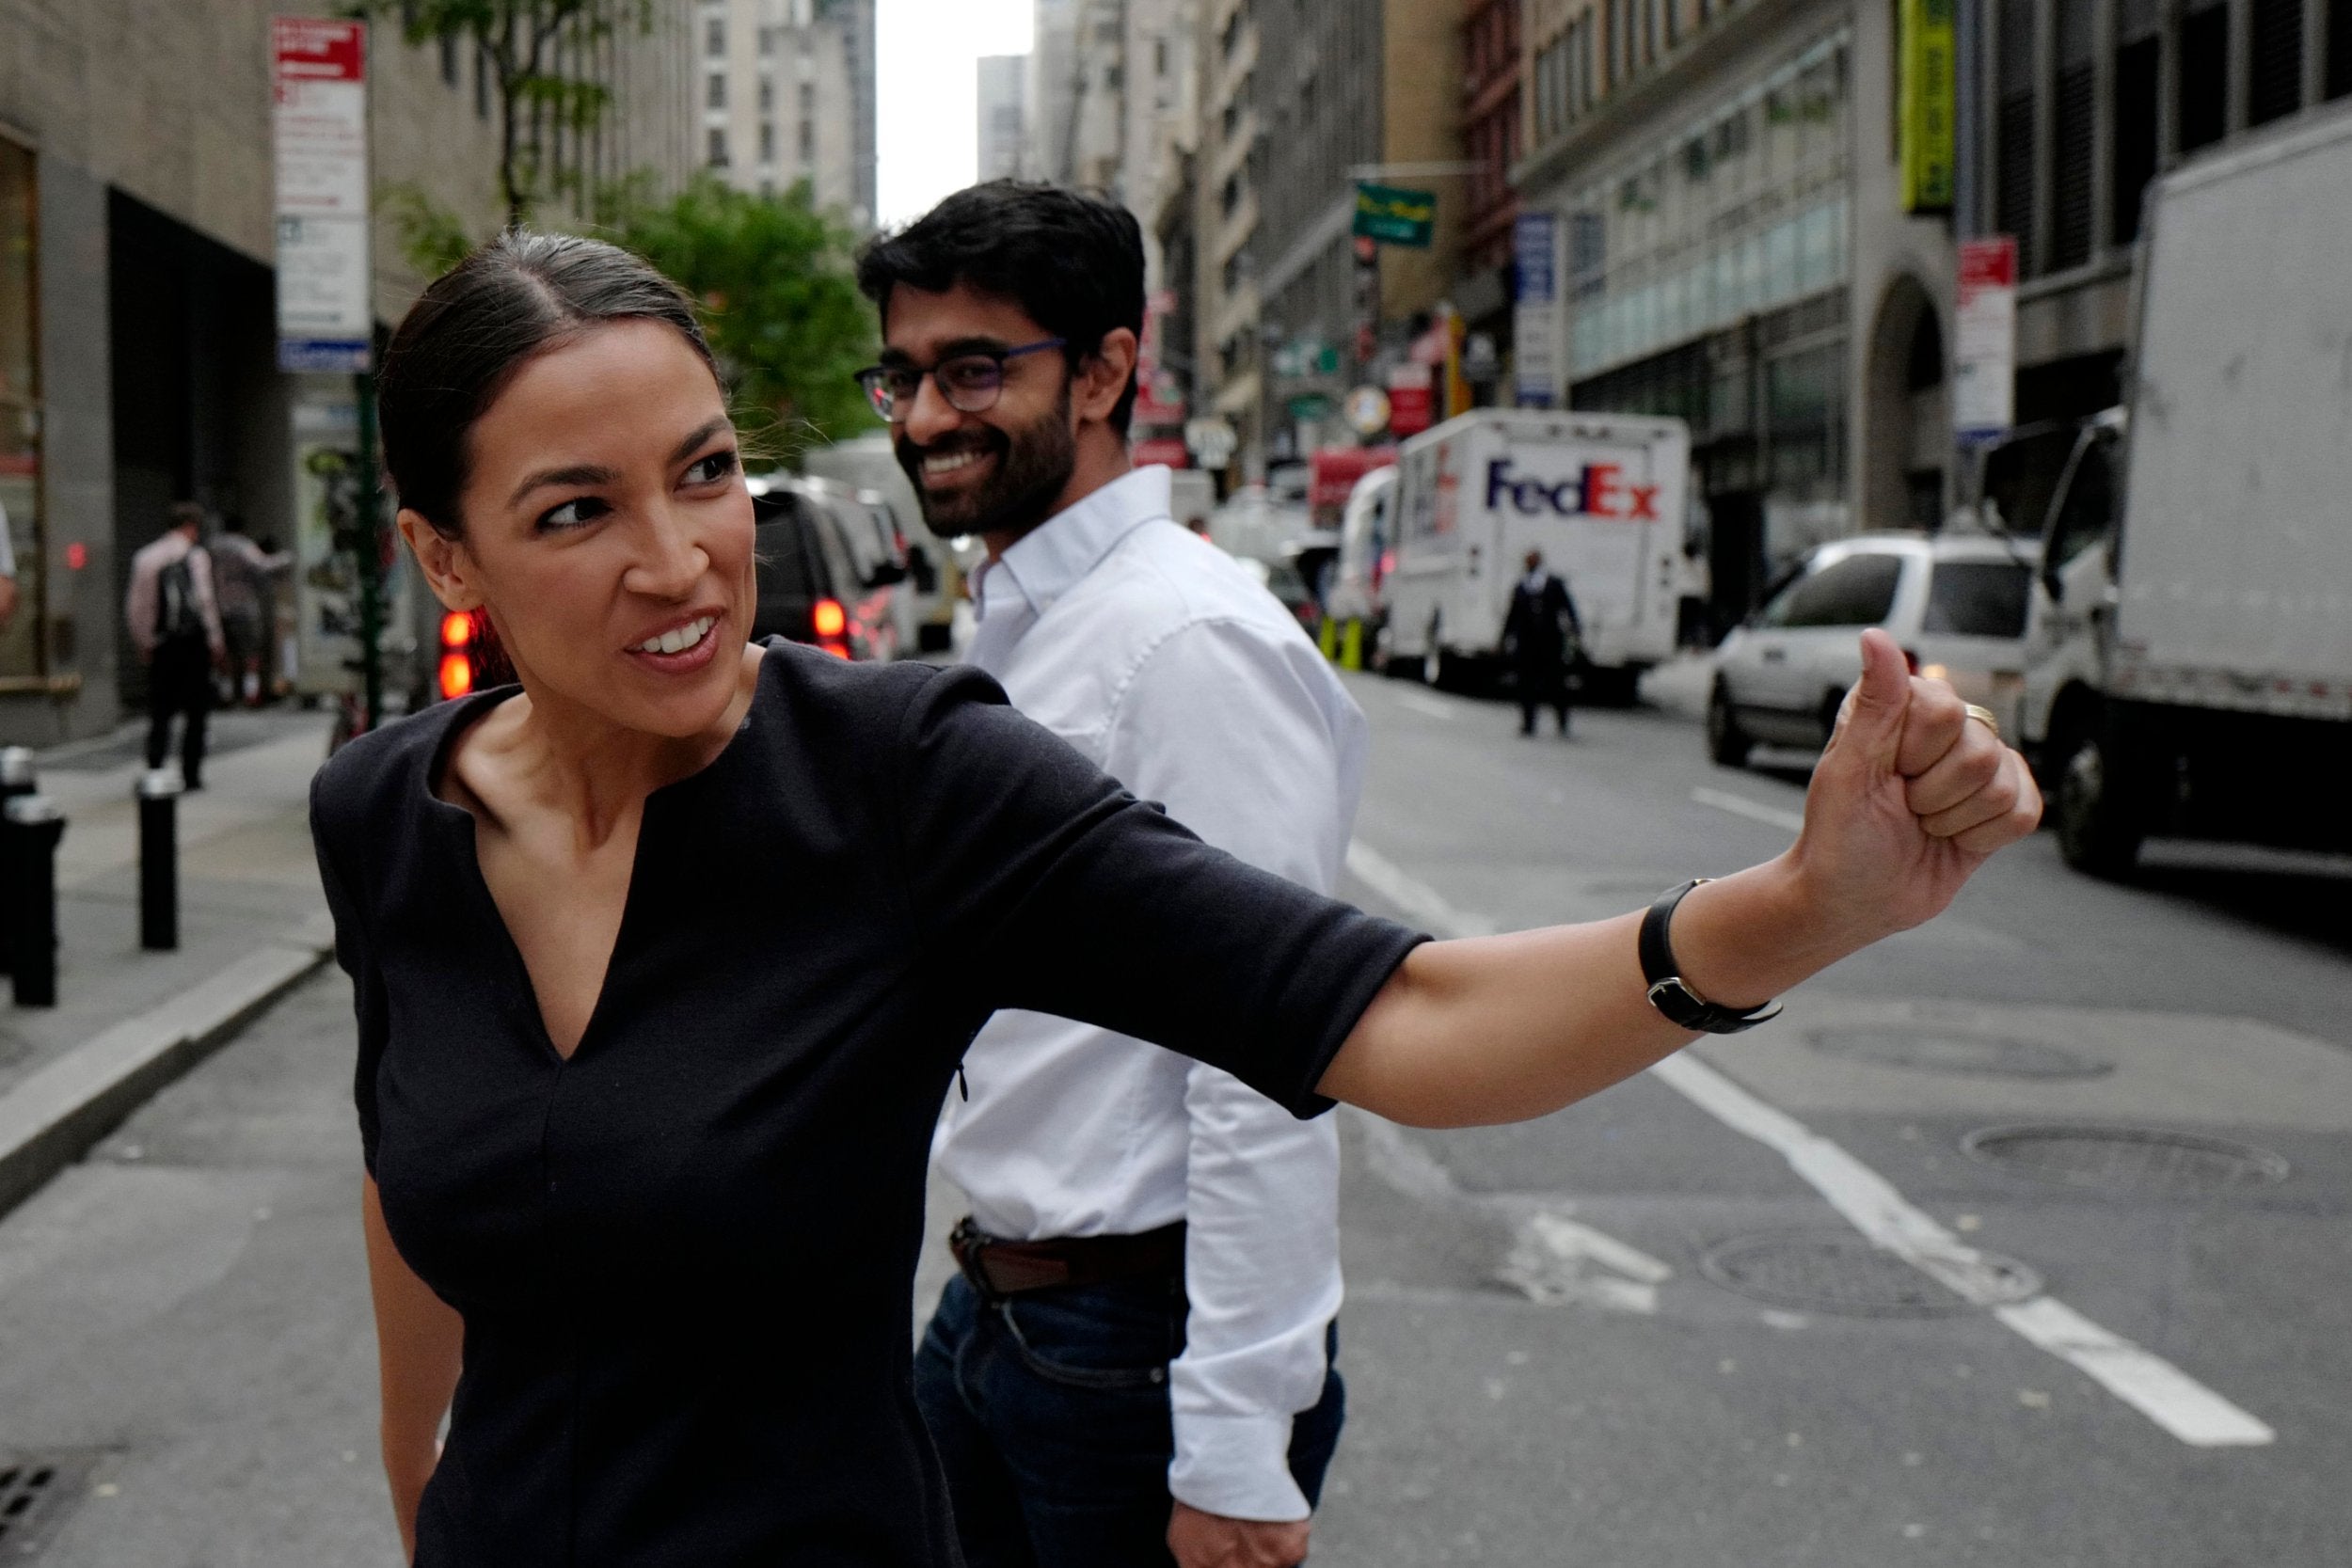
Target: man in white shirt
(1134, 1366)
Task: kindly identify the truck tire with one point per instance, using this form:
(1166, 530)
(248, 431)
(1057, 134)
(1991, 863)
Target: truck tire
(2097, 830)
(1725, 745)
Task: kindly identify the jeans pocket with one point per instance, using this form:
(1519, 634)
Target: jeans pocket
(1060, 1347)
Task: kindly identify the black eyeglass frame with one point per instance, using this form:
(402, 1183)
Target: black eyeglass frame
(886, 402)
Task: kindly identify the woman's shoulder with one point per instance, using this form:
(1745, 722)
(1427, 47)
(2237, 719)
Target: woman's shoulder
(379, 776)
(874, 706)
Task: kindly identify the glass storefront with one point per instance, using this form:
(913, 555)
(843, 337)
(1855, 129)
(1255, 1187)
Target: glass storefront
(1742, 210)
(19, 404)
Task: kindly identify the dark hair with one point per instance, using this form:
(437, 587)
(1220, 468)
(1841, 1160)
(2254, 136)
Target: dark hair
(1072, 262)
(187, 514)
(477, 324)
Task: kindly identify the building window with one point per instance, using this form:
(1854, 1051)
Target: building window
(808, 142)
(808, 99)
(715, 37)
(718, 152)
(767, 94)
(715, 94)
(2074, 128)
(2204, 72)
(2338, 83)
(767, 141)
(2013, 127)
(766, 40)
(449, 58)
(2134, 127)
(2274, 61)
(20, 402)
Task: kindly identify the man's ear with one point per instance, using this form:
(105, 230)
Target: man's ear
(447, 565)
(1103, 377)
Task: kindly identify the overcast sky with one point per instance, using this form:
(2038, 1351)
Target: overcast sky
(926, 81)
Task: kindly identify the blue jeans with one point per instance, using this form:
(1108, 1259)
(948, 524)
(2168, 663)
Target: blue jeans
(1049, 1413)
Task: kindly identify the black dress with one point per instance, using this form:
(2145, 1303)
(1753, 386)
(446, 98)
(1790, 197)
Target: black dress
(684, 1257)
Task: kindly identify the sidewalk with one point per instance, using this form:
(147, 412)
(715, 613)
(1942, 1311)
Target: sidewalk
(252, 922)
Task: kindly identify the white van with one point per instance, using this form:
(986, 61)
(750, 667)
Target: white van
(1601, 495)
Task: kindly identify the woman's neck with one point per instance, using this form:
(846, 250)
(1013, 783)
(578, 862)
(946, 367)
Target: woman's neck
(570, 759)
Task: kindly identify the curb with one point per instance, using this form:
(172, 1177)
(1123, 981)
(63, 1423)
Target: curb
(54, 1116)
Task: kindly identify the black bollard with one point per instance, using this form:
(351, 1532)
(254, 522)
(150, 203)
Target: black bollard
(31, 827)
(16, 778)
(159, 859)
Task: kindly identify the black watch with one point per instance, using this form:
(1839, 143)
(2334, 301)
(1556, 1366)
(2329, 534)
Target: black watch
(1670, 993)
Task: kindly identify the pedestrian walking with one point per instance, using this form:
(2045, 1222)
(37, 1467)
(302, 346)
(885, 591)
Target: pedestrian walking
(663, 959)
(1540, 633)
(244, 573)
(175, 625)
(1191, 1239)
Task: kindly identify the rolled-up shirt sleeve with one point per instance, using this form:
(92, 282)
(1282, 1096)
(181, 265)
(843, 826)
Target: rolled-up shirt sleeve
(1054, 890)
(1239, 733)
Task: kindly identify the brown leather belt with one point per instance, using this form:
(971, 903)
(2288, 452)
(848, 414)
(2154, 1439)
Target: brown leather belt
(998, 1267)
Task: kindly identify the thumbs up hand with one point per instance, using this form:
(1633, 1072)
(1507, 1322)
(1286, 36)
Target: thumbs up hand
(1910, 797)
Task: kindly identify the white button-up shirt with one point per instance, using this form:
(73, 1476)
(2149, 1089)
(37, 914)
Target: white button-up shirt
(1157, 655)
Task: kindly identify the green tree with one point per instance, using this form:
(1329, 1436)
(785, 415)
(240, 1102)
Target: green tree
(540, 55)
(772, 278)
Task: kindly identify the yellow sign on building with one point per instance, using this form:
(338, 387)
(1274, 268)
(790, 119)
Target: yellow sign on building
(1926, 106)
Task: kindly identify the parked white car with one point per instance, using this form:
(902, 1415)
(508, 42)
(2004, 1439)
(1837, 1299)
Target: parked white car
(1955, 602)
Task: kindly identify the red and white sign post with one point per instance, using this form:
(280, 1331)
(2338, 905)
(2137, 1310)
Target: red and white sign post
(1984, 340)
(319, 130)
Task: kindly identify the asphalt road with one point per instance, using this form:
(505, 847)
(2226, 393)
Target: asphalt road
(1639, 1333)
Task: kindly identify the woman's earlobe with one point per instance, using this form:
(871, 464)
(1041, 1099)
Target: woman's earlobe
(441, 559)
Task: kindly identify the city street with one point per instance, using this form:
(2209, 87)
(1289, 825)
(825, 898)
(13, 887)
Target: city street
(1640, 1334)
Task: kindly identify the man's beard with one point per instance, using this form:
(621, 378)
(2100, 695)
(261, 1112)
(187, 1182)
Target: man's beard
(1033, 469)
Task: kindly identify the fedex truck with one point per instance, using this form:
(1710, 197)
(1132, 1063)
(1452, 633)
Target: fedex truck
(1601, 495)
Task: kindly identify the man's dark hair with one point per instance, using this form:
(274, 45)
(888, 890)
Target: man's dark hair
(1073, 263)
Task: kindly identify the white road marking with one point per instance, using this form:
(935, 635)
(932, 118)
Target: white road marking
(1427, 706)
(1556, 1260)
(1413, 895)
(1755, 811)
(2142, 1379)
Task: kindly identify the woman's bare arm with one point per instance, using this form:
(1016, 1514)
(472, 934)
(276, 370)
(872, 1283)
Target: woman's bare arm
(1908, 802)
(419, 1340)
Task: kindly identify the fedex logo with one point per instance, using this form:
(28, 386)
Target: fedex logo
(1595, 490)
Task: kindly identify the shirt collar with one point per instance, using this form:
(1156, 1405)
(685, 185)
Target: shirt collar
(1050, 560)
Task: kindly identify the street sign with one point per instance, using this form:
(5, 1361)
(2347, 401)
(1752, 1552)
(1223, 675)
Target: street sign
(1366, 411)
(1984, 339)
(1308, 405)
(319, 134)
(1394, 216)
(1412, 396)
(1536, 309)
(1927, 104)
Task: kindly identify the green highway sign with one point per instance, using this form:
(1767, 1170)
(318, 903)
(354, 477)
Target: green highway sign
(1394, 216)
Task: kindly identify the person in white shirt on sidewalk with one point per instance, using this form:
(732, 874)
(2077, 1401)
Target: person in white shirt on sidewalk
(1136, 1364)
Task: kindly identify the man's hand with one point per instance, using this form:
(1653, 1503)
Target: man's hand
(1910, 797)
(1211, 1540)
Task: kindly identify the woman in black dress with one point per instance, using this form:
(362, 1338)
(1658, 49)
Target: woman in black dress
(664, 959)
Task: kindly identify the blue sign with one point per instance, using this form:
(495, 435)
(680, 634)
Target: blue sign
(322, 356)
(1533, 249)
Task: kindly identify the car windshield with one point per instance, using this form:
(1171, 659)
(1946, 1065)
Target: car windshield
(1977, 598)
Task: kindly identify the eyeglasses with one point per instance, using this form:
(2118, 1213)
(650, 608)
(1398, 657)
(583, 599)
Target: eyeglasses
(971, 382)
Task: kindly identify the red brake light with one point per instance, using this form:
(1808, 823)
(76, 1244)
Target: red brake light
(829, 618)
(456, 675)
(457, 631)
(839, 650)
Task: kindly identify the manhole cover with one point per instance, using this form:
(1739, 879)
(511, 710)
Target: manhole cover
(1841, 1272)
(36, 1491)
(2143, 1159)
(1955, 1051)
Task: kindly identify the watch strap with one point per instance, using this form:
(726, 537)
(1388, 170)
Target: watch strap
(1670, 993)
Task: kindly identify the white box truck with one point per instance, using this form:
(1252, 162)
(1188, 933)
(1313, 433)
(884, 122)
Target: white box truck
(1601, 495)
(2190, 645)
